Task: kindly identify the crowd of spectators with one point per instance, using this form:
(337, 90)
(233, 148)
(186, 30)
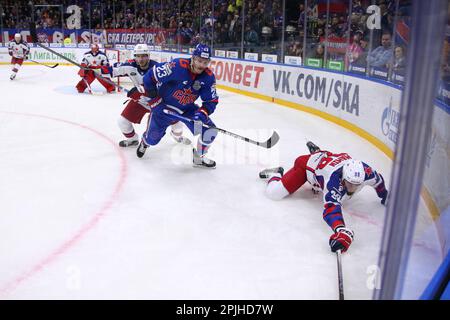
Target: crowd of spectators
(309, 30)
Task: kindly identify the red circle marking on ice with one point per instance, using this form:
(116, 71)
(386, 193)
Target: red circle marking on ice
(12, 284)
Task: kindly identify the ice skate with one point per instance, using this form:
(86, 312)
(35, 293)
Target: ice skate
(13, 76)
(312, 147)
(267, 173)
(128, 143)
(200, 161)
(140, 151)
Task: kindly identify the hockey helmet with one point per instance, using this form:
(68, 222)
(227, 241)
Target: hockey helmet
(353, 172)
(141, 48)
(18, 36)
(202, 51)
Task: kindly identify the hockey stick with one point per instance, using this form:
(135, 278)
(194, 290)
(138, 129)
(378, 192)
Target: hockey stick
(87, 85)
(266, 144)
(35, 41)
(42, 64)
(340, 278)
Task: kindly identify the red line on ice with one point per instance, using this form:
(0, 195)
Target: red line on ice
(73, 240)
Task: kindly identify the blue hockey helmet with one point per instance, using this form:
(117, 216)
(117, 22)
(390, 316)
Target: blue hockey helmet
(202, 51)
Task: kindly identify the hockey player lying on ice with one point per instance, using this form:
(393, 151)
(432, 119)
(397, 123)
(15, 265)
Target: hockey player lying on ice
(338, 176)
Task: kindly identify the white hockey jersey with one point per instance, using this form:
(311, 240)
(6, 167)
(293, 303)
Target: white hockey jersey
(324, 172)
(18, 50)
(97, 60)
(132, 70)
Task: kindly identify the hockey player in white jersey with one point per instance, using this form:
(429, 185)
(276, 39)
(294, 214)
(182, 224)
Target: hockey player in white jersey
(18, 49)
(135, 111)
(95, 60)
(338, 176)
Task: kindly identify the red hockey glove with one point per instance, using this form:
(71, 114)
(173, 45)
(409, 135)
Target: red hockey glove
(82, 73)
(134, 94)
(341, 239)
(105, 69)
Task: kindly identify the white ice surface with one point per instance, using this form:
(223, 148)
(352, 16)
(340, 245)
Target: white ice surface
(81, 218)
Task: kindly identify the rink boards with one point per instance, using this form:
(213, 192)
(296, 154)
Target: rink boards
(369, 108)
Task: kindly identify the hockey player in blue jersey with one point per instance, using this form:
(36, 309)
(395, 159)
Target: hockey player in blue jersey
(175, 86)
(135, 110)
(338, 176)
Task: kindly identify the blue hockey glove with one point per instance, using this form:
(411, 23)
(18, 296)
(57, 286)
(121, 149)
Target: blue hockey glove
(201, 115)
(384, 197)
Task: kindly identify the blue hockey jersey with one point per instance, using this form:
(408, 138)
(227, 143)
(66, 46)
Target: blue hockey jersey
(180, 88)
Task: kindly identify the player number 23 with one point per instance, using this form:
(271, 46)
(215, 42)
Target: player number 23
(162, 71)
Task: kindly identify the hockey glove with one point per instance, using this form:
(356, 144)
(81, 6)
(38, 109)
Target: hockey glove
(381, 191)
(201, 115)
(82, 73)
(134, 93)
(341, 239)
(149, 103)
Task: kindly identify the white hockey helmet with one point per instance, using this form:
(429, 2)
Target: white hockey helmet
(18, 36)
(353, 172)
(141, 48)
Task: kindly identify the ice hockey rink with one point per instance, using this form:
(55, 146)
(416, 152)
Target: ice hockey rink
(81, 218)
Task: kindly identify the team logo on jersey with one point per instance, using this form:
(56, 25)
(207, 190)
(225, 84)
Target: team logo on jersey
(197, 85)
(185, 96)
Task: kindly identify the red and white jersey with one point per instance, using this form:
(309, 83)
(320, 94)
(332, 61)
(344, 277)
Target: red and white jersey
(92, 60)
(19, 50)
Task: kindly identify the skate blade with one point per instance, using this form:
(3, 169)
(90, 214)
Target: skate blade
(126, 145)
(202, 167)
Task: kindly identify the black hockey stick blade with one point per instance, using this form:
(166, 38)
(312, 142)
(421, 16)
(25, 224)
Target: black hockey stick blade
(43, 64)
(271, 141)
(267, 144)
